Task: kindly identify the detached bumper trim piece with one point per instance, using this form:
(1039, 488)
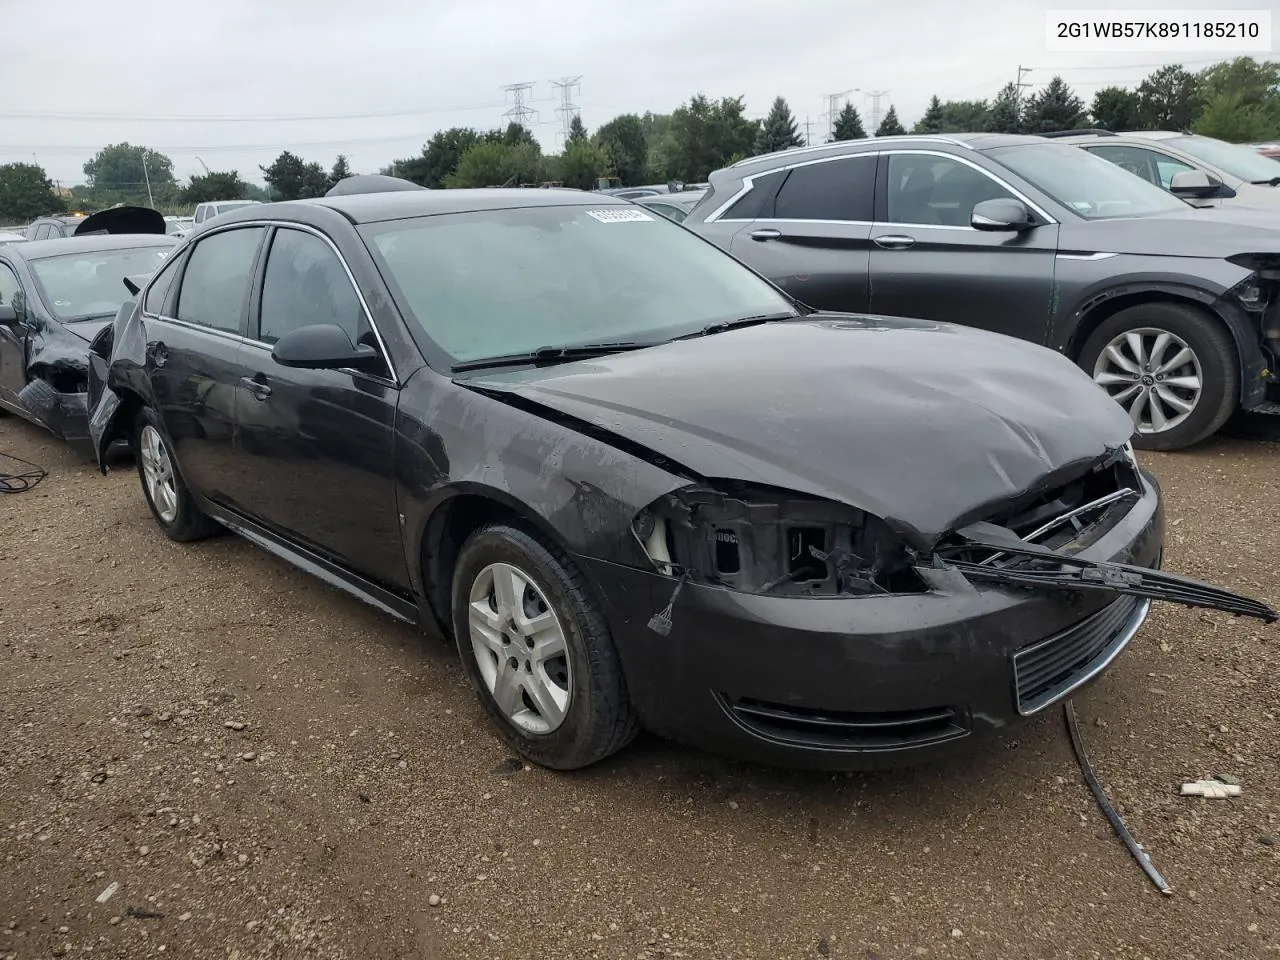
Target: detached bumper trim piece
(1053, 668)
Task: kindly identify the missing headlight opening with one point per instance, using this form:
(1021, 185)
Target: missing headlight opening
(769, 541)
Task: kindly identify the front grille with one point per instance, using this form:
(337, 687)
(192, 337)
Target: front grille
(846, 730)
(1049, 669)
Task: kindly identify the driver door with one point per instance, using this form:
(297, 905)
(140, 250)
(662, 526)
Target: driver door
(13, 338)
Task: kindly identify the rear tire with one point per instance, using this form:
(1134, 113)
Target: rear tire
(1174, 368)
(167, 495)
(537, 649)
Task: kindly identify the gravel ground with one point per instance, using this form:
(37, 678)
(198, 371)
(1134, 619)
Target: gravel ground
(259, 766)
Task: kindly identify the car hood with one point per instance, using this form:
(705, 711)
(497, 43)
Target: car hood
(86, 330)
(1219, 231)
(925, 425)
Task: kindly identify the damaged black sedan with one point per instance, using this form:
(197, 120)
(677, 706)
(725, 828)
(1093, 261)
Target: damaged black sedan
(637, 484)
(55, 296)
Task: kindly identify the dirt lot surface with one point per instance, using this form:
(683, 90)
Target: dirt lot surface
(258, 766)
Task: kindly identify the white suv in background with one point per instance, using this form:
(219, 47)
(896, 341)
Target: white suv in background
(207, 211)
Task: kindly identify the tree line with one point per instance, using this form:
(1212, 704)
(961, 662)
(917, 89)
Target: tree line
(1238, 101)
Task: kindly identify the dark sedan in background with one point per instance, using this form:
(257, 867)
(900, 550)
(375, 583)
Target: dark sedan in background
(636, 483)
(55, 296)
(1174, 311)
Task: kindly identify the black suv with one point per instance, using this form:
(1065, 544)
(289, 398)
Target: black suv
(1173, 310)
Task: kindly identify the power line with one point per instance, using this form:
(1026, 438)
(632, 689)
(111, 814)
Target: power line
(260, 118)
(520, 111)
(567, 109)
(1142, 66)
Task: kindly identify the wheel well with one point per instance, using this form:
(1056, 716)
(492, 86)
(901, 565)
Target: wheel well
(1108, 308)
(447, 530)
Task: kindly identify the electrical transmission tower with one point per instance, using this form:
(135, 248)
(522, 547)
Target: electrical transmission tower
(1018, 85)
(833, 110)
(875, 96)
(520, 111)
(567, 109)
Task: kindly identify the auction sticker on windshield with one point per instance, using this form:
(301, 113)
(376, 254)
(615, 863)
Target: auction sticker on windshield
(618, 216)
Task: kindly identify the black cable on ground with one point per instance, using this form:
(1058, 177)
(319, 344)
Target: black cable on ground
(1117, 824)
(22, 480)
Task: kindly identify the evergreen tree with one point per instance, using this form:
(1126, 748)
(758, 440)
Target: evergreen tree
(577, 129)
(932, 120)
(848, 125)
(890, 126)
(780, 131)
(1006, 113)
(1056, 107)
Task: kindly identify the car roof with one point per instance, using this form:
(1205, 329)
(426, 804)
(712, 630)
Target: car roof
(404, 204)
(684, 197)
(967, 141)
(93, 243)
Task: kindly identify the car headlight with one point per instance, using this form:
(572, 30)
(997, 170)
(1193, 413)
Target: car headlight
(773, 541)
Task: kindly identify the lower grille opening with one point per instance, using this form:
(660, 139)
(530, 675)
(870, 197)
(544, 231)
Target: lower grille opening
(1046, 670)
(847, 730)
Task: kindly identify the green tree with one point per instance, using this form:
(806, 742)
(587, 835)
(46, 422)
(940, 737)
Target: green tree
(215, 185)
(1056, 107)
(848, 125)
(120, 173)
(890, 126)
(26, 192)
(254, 192)
(1257, 83)
(341, 170)
(580, 164)
(1115, 108)
(932, 120)
(1230, 116)
(1169, 99)
(626, 148)
(292, 178)
(1006, 111)
(779, 131)
(577, 129)
(705, 135)
(965, 116)
(513, 135)
(492, 163)
(439, 158)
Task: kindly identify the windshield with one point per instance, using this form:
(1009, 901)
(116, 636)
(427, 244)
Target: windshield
(1094, 188)
(1243, 162)
(502, 282)
(81, 286)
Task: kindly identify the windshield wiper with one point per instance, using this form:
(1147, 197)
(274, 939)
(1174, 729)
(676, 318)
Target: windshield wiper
(1273, 182)
(1077, 573)
(720, 326)
(549, 355)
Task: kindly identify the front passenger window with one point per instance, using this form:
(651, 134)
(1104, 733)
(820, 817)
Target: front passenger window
(306, 284)
(928, 189)
(10, 290)
(215, 284)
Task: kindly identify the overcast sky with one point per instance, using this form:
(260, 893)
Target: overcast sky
(232, 82)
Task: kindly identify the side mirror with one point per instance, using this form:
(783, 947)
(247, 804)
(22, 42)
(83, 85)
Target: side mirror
(1194, 183)
(322, 346)
(8, 315)
(1001, 214)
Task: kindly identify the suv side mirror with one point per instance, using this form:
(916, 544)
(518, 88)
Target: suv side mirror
(1003, 213)
(1194, 183)
(8, 315)
(322, 346)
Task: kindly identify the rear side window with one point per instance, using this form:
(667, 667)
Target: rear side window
(215, 283)
(153, 302)
(758, 201)
(841, 189)
(305, 284)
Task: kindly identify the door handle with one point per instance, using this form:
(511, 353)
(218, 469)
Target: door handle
(259, 389)
(895, 242)
(766, 234)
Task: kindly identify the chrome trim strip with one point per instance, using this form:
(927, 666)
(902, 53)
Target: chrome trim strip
(285, 225)
(836, 144)
(1087, 256)
(1112, 650)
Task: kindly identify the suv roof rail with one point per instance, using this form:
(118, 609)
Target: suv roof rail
(1095, 131)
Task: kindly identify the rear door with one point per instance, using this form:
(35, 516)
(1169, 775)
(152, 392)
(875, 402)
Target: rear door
(315, 448)
(812, 235)
(928, 262)
(196, 331)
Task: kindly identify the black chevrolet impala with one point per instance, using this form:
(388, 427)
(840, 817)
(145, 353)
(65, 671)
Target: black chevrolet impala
(635, 483)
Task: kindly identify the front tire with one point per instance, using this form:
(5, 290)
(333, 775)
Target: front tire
(170, 501)
(537, 649)
(1174, 369)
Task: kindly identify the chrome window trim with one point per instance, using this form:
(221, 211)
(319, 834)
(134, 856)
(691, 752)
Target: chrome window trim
(925, 138)
(1100, 255)
(305, 228)
(748, 184)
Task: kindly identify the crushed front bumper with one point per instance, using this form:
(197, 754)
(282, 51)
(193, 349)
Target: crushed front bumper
(859, 683)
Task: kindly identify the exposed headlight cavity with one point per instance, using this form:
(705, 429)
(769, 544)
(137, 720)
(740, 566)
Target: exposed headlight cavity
(770, 541)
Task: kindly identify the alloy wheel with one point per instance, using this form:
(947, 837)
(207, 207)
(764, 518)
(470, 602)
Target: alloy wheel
(520, 648)
(157, 470)
(1154, 375)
